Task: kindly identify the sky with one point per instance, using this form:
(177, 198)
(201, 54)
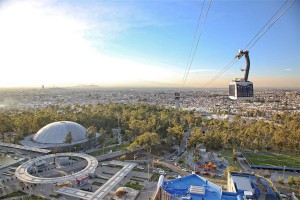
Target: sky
(136, 43)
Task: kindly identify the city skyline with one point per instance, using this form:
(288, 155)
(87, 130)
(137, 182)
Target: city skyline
(136, 44)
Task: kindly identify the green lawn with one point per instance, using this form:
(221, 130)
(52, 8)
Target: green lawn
(272, 160)
(13, 194)
(100, 152)
(97, 183)
(228, 155)
(134, 186)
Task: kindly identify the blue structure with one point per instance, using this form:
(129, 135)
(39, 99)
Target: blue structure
(194, 187)
(250, 186)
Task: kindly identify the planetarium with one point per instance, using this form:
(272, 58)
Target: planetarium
(53, 136)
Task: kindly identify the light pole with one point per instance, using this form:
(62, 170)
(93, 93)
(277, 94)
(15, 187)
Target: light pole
(148, 173)
(283, 171)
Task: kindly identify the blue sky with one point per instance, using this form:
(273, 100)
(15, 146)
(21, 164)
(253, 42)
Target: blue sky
(145, 43)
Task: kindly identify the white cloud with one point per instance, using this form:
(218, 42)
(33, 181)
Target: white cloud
(41, 44)
(204, 70)
(287, 69)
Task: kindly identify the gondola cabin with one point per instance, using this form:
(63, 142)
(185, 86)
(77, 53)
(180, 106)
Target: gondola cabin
(241, 90)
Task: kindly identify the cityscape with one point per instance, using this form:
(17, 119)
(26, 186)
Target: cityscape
(150, 100)
(105, 163)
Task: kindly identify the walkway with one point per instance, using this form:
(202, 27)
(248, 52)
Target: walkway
(16, 146)
(75, 192)
(104, 189)
(23, 175)
(184, 142)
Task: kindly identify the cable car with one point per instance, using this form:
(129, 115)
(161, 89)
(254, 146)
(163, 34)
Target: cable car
(241, 88)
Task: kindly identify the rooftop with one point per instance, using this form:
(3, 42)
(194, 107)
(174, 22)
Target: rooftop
(246, 183)
(195, 187)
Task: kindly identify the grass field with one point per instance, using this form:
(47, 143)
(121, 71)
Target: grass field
(272, 160)
(228, 155)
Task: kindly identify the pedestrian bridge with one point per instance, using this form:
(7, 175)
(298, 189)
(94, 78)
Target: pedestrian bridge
(23, 175)
(104, 189)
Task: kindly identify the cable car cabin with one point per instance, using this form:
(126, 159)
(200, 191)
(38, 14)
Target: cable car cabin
(241, 90)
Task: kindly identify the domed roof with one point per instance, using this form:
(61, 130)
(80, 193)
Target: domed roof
(56, 132)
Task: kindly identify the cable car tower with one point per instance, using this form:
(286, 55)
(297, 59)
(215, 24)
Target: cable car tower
(241, 88)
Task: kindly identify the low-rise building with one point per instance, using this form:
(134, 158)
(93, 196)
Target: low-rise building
(194, 187)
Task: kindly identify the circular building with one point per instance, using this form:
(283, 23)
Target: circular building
(56, 133)
(53, 136)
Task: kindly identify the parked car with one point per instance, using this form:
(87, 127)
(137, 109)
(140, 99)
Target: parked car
(140, 167)
(184, 169)
(162, 172)
(204, 173)
(283, 196)
(104, 164)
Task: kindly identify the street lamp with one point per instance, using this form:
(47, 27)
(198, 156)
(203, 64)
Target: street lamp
(283, 170)
(148, 172)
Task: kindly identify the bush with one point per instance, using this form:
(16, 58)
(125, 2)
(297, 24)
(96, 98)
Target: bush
(123, 157)
(281, 180)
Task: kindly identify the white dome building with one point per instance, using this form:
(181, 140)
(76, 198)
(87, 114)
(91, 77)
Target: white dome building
(53, 136)
(56, 132)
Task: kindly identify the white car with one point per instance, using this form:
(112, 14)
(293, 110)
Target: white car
(162, 172)
(184, 169)
(140, 167)
(104, 164)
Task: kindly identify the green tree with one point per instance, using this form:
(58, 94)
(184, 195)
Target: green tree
(122, 158)
(91, 132)
(195, 138)
(68, 139)
(234, 155)
(297, 183)
(291, 181)
(229, 168)
(175, 134)
(281, 180)
(146, 141)
(4, 125)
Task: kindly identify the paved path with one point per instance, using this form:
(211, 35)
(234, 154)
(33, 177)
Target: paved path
(75, 192)
(148, 192)
(104, 189)
(16, 146)
(23, 175)
(184, 142)
(111, 183)
(244, 164)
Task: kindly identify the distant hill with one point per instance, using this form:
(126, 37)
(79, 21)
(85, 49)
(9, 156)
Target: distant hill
(85, 86)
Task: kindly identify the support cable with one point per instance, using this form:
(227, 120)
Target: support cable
(200, 34)
(255, 39)
(193, 44)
